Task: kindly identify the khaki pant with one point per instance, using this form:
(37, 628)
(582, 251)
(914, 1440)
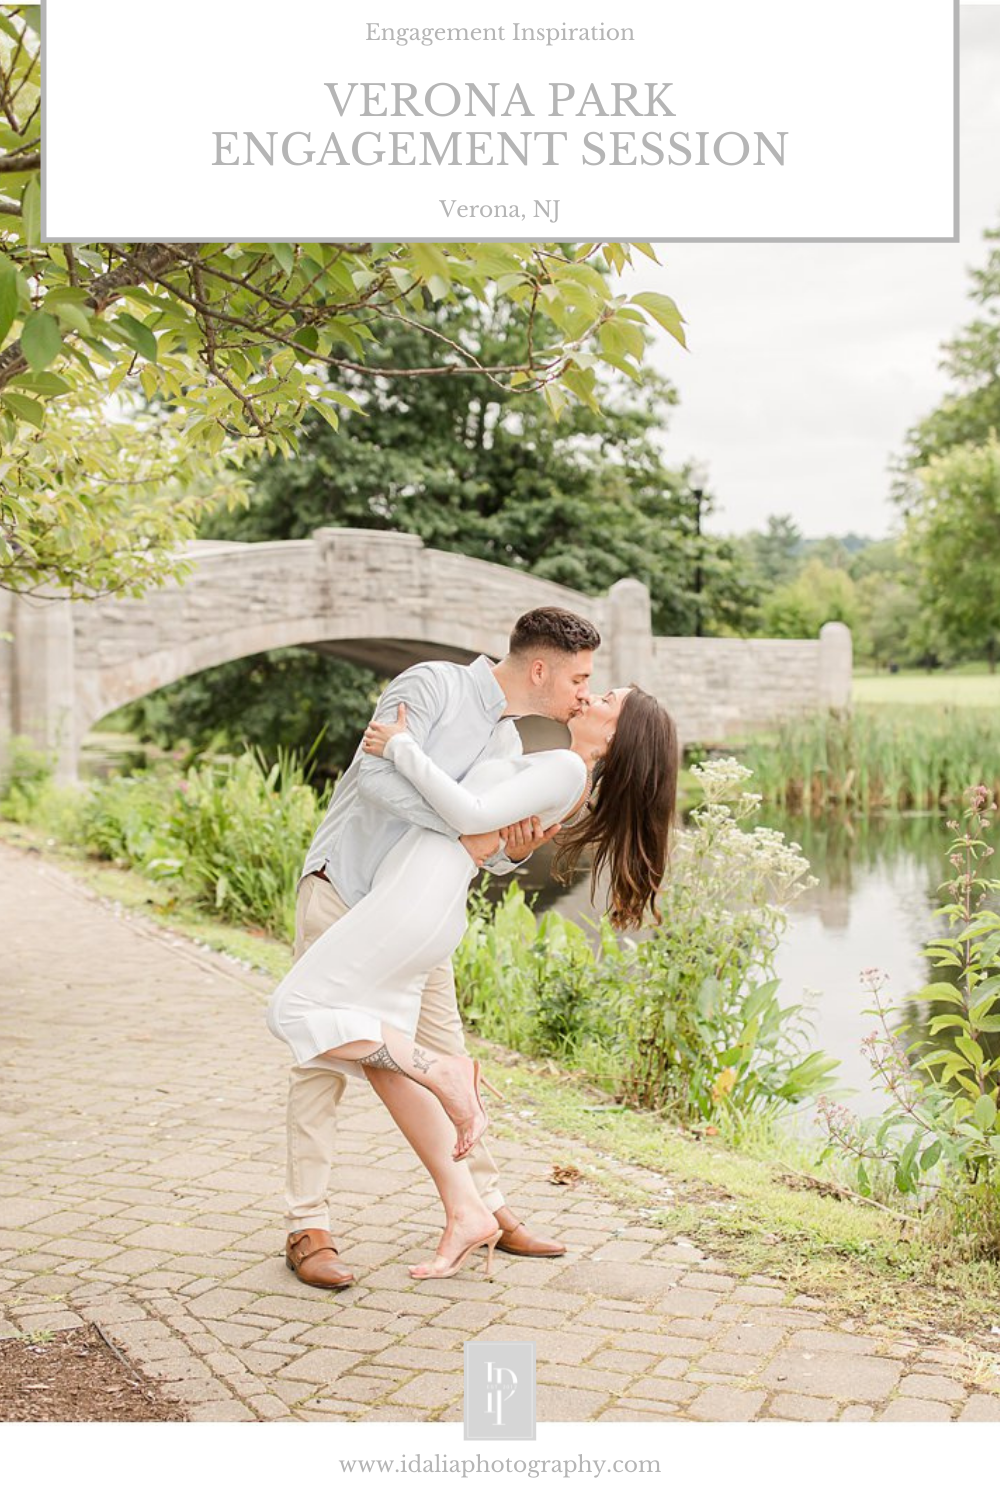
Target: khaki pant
(314, 1093)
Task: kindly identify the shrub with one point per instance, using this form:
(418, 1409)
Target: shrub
(29, 795)
(233, 833)
(26, 765)
(939, 1134)
(242, 830)
(125, 818)
(535, 984)
(704, 1032)
(685, 1020)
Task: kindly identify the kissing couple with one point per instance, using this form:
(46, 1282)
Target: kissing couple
(439, 788)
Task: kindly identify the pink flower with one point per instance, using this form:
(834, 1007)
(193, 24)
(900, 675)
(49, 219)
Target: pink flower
(979, 797)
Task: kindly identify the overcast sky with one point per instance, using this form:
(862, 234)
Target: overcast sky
(809, 362)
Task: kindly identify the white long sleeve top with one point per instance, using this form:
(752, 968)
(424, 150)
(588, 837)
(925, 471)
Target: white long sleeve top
(545, 785)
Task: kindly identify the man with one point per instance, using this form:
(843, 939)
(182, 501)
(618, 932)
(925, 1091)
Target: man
(459, 715)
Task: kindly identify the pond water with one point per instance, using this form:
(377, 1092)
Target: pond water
(872, 909)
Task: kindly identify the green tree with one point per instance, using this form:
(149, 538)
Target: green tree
(970, 412)
(468, 468)
(952, 532)
(883, 556)
(776, 551)
(96, 502)
(871, 584)
(946, 482)
(819, 593)
(896, 625)
(240, 340)
(583, 502)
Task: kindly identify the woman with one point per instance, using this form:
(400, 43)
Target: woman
(351, 1002)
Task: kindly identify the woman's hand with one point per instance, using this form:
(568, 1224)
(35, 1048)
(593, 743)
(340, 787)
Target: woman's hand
(377, 736)
(522, 839)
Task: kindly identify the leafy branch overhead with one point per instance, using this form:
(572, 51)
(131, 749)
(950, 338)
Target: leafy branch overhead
(241, 341)
(242, 336)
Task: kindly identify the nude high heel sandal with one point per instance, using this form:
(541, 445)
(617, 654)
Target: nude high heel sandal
(488, 1244)
(486, 1119)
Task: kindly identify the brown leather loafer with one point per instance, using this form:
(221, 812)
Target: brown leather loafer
(517, 1240)
(312, 1255)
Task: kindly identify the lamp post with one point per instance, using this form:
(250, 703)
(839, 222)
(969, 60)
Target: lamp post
(698, 482)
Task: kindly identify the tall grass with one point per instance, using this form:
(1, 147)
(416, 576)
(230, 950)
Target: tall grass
(897, 759)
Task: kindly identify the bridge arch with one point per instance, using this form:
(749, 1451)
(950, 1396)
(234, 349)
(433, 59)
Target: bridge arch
(381, 599)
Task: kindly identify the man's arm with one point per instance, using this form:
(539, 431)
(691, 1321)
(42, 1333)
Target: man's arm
(424, 694)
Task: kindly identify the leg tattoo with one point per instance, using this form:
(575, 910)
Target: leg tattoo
(381, 1059)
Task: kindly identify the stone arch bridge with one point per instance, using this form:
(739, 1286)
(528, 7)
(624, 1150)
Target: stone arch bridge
(381, 599)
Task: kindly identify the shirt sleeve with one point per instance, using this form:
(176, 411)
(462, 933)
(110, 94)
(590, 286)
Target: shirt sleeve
(541, 782)
(425, 694)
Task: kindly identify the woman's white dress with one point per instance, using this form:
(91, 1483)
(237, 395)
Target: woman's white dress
(369, 968)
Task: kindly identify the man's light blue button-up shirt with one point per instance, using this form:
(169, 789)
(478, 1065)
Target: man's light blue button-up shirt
(454, 713)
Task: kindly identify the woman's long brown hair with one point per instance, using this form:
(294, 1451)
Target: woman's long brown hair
(629, 816)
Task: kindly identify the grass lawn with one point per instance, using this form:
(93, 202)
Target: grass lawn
(755, 1212)
(964, 689)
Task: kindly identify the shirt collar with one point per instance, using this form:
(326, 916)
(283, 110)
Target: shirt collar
(490, 692)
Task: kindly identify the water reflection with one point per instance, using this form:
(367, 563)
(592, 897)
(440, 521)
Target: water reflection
(878, 886)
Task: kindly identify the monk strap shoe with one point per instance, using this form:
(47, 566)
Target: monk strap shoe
(312, 1255)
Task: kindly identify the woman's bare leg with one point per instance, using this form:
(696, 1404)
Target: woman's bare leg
(450, 1079)
(427, 1128)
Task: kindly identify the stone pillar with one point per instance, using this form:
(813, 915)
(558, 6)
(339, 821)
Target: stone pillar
(631, 643)
(836, 660)
(44, 698)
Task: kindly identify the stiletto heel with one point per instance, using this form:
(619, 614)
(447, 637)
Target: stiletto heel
(492, 1088)
(488, 1244)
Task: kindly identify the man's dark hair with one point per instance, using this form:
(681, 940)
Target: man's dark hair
(551, 629)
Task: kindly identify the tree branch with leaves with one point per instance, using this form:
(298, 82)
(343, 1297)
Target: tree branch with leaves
(239, 341)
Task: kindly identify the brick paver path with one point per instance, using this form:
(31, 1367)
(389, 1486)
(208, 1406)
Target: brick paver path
(141, 1117)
